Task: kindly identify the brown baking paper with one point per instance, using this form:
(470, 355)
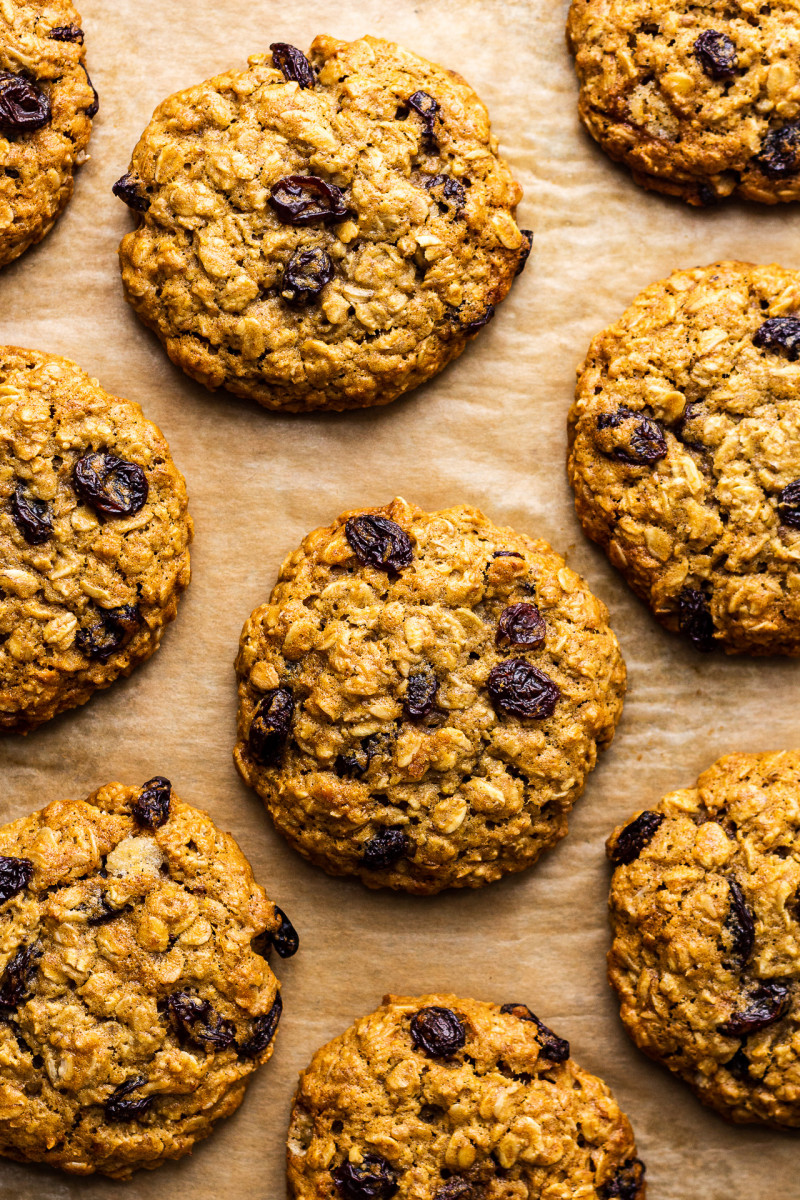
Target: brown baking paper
(490, 431)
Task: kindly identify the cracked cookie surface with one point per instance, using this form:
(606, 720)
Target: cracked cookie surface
(94, 537)
(701, 101)
(423, 695)
(337, 293)
(133, 1006)
(441, 1098)
(685, 453)
(706, 950)
(47, 103)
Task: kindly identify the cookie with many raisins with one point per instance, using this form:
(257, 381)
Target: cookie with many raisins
(322, 232)
(700, 101)
(47, 102)
(439, 1098)
(422, 697)
(685, 454)
(135, 995)
(706, 950)
(94, 537)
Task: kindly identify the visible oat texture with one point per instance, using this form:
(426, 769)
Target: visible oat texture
(424, 245)
(37, 165)
(701, 101)
(379, 709)
(685, 454)
(498, 1119)
(133, 1007)
(85, 594)
(706, 951)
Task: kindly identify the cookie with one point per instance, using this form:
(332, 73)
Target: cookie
(685, 454)
(135, 998)
(47, 102)
(94, 537)
(322, 232)
(422, 697)
(439, 1098)
(706, 951)
(700, 101)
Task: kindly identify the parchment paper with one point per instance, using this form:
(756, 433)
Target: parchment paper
(491, 431)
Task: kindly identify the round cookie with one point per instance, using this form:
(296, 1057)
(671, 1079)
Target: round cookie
(700, 101)
(47, 102)
(135, 1000)
(94, 537)
(439, 1098)
(422, 697)
(685, 454)
(324, 232)
(706, 951)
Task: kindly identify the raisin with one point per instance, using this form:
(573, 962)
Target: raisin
(151, 807)
(15, 977)
(789, 504)
(627, 1183)
(263, 1031)
(694, 619)
(452, 191)
(131, 191)
(271, 725)
(371, 1179)
(507, 554)
(379, 542)
(306, 199)
(285, 939)
(307, 273)
(479, 322)
(293, 64)
(66, 33)
(356, 764)
(739, 1066)
(554, 1049)
(31, 517)
(716, 54)
(15, 875)
(108, 913)
(111, 632)
(525, 250)
(194, 1020)
(428, 109)
(780, 333)
(520, 690)
(767, 1005)
(638, 440)
(437, 1032)
(118, 1108)
(23, 106)
(111, 485)
(741, 925)
(420, 695)
(634, 837)
(521, 625)
(385, 849)
(94, 107)
(779, 157)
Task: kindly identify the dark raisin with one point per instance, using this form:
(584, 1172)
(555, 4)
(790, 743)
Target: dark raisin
(371, 1179)
(119, 1108)
(131, 191)
(271, 725)
(385, 848)
(66, 33)
(355, 764)
(306, 199)
(741, 925)
(15, 875)
(627, 1184)
(194, 1020)
(23, 106)
(15, 977)
(151, 807)
(307, 273)
(636, 440)
(452, 191)
(428, 109)
(94, 107)
(479, 322)
(379, 542)
(292, 64)
(112, 631)
(525, 250)
(285, 939)
(789, 504)
(521, 625)
(739, 1066)
(31, 517)
(420, 695)
(554, 1049)
(263, 1031)
(107, 913)
(520, 690)
(634, 837)
(716, 54)
(767, 1005)
(780, 333)
(111, 485)
(779, 157)
(506, 554)
(694, 619)
(437, 1032)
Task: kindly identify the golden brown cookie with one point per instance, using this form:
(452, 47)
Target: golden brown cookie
(423, 695)
(135, 998)
(706, 952)
(439, 1098)
(94, 537)
(324, 232)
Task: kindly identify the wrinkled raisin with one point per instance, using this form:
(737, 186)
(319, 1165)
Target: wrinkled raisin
(263, 1031)
(306, 199)
(473, 326)
(428, 109)
(194, 1020)
(779, 157)
(634, 837)
(525, 250)
(452, 191)
(23, 106)
(780, 333)
(716, 54)
(741, 925)
(521, 625)
(420, 695)
(271, 725)
(94, 107)
(112, 631)
(14, 980)
(739, 1066)
(554, 1049)
(694, 619)
(371, 1179)
(131, 191)
(119, 1108)
(292, 64)
(66, 33)
(789, 504)
(507, 554)
(637, 440)
(520, 690)
(385, 849)
(437, 1032)
(307, 273)
(355, 764)
(15, 875)
(285, 939)
(379, 542)
(767, 1005)
(31, 517)
(151, 807)
(627, 1184)
(111, 485)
